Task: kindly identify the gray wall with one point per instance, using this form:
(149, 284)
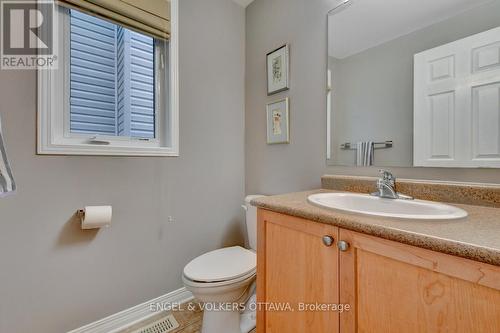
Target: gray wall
(373, 90)
(299, 165)
(55, 277)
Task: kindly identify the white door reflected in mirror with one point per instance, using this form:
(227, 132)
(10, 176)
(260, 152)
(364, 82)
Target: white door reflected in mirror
(374, 83)
(457, 103)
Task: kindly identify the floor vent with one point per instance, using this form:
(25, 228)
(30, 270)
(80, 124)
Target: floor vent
(162, 325)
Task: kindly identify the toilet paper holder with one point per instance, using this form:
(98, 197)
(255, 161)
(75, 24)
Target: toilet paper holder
(81, 216)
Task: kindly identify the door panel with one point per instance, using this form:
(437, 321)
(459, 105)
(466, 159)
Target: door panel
(486, 121)
(294, 268)
(442, 116)
(394, 287)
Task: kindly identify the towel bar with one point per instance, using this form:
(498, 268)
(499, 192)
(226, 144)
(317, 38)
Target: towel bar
(377, 145)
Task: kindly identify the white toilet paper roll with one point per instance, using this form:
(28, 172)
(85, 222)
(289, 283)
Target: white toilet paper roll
(95, 217)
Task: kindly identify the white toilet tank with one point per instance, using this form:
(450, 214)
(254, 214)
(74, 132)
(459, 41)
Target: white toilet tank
(251, 221)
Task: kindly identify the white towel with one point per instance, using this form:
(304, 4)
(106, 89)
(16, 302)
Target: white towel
(364, 153)
(7, 184)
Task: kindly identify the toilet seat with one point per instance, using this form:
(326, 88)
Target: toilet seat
(221, 267)
(199, 284)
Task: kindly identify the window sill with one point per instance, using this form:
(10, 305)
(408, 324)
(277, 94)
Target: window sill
(92, 150)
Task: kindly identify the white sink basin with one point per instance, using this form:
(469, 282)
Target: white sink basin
(401, 209)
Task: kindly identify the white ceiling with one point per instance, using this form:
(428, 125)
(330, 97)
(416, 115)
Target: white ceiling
(368, 23)
(243, 3)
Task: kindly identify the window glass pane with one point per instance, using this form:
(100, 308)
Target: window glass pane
(112, 79)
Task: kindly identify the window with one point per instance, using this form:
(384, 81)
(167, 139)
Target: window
(114, 93)
(112, 79)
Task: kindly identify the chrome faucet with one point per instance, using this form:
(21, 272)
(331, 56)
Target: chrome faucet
(386, 187)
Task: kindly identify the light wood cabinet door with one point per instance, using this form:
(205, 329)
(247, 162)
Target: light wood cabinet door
(295, 267)
(393, 287)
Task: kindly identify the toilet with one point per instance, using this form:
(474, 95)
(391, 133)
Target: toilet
(223, 279)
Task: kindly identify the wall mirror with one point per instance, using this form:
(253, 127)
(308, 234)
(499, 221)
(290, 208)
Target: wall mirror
(414, 83)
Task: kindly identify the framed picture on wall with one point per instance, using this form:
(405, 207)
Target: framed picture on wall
(278, 122)
(278, 69)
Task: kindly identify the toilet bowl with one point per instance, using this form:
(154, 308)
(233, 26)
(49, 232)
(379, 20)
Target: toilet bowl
(221, 280)
(224, 280)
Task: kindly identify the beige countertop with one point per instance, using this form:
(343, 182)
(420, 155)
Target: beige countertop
(477, 237)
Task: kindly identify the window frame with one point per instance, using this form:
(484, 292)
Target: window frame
(53, 104)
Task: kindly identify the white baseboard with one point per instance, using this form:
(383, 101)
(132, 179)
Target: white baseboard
(133, 315)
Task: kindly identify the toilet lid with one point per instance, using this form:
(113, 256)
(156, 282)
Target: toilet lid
(221, 265)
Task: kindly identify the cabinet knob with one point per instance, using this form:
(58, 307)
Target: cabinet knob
(343, 246)
(328, 240)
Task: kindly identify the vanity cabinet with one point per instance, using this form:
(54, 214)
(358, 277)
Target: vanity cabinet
(389, 286)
